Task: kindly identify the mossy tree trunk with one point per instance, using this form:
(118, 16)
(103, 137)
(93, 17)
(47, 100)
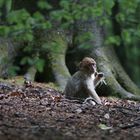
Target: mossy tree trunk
(118, 82)
(55, 45)
(9, 47)
(7, 54)
(58, 47)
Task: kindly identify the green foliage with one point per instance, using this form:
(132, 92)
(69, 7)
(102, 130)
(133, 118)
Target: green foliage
(18, 16)
(56, 43)
(6, 4)
(4, 30)
(126, 36)
(37, 62)
(13, 70)
(108, 5)
(114, 40)
(43, 4)
(128, 17)
(86, 36)
(83, 40)
(20, 24)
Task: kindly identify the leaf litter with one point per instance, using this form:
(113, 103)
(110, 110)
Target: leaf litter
(38, 112)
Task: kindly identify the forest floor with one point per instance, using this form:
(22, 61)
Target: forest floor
(35, 112)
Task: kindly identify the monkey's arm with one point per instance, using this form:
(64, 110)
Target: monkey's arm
(91, 91)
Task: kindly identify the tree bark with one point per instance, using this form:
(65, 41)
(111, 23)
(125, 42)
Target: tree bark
(30, 74)
(121, 75)
(114, 86)
(7, 54)
(57, 58)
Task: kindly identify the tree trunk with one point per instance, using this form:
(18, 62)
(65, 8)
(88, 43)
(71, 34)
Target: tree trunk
(7, 54)
(57, 58)
(114, 84)
(121, 75)
(30, 74)
(55, 45)
(118, 82)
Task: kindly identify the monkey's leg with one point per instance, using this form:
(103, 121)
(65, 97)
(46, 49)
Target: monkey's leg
(91, 91)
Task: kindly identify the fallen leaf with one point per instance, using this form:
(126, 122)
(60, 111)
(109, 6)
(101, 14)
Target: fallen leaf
(104, 127)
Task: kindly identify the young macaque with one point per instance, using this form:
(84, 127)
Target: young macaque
(82, 84)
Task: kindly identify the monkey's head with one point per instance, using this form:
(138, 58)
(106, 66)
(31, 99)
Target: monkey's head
(88, 65)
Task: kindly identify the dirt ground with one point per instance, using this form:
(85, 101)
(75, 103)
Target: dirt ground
(39, 113)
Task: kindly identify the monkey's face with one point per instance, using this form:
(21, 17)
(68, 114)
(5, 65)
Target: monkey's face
(88, 64)
(92, 67)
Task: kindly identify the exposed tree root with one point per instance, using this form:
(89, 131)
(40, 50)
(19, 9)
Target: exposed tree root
(119, 83)
(60, 70)
(30, 74)
(106, 65)
(121, 75)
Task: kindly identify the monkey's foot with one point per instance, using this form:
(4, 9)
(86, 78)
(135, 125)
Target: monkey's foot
(89, 101)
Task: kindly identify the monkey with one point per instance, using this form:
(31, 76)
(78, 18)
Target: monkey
(83, 83)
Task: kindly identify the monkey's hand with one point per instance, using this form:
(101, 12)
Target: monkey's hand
(99, 79)
(101, 75)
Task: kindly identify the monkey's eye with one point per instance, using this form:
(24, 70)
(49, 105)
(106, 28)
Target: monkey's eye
(93, 64)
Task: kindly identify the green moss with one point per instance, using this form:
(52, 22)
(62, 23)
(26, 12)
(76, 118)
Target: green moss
(57, 43)
(52, 85)
(4, 59)
(18, 80)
